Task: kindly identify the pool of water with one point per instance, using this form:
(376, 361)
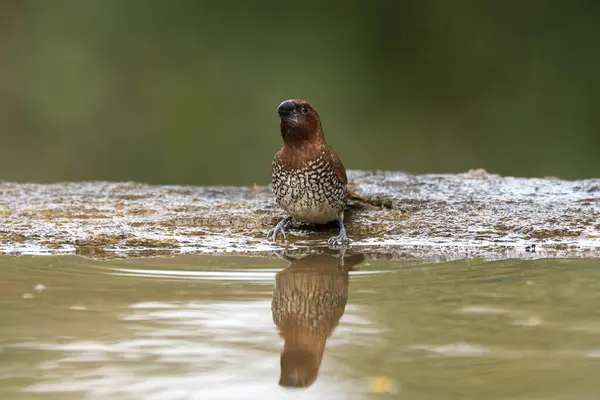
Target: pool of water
(226, 327)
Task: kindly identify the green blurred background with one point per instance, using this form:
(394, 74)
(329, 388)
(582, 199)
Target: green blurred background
(185, 92)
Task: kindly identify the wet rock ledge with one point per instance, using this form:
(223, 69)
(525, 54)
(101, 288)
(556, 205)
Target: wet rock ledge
(405, 216)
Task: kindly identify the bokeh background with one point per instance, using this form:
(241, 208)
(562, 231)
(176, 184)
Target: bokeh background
(185, 92)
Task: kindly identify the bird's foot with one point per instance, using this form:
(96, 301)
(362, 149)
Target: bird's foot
(280, 227)
(272, 234)
(340, 239)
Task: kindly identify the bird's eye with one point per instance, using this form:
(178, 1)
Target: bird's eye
(304, 109)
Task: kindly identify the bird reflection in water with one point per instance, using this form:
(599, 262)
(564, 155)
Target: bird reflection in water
(308, 302)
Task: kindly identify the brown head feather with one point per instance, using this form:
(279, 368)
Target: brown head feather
(302, 125)
(303, 139)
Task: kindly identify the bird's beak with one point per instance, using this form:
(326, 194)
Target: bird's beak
(287, 111)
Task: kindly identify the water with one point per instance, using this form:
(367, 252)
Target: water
(205, 327)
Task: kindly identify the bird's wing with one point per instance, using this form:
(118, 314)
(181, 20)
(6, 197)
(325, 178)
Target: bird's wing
(338, 166)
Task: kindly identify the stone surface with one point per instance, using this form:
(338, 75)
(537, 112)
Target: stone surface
(419, 217)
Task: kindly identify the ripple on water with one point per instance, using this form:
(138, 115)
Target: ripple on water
(211, 350)
(265, 275)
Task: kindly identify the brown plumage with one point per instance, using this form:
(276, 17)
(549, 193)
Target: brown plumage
(309, 180)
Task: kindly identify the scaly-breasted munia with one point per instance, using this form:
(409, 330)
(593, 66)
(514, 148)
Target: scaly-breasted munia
(309, 179)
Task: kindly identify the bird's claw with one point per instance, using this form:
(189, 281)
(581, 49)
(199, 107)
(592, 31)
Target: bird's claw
(280, 227)
(340, 239)
(272, 234)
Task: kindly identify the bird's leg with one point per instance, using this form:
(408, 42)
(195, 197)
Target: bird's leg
(280, 227)
(341, 238)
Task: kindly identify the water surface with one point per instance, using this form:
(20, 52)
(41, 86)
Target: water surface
(207, 327)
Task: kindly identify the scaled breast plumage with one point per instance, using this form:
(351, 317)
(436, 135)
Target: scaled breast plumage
(313, 193)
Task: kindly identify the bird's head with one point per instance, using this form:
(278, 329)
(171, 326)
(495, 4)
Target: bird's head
(299, 122)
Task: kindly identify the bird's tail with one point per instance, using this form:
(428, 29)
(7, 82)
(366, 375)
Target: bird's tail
(378, 203)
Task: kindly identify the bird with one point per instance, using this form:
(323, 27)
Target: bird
(308, 178)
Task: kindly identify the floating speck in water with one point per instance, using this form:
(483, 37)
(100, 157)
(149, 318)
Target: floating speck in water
(381, 384)
(39, 287)
(78, 308)
(28, 296)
